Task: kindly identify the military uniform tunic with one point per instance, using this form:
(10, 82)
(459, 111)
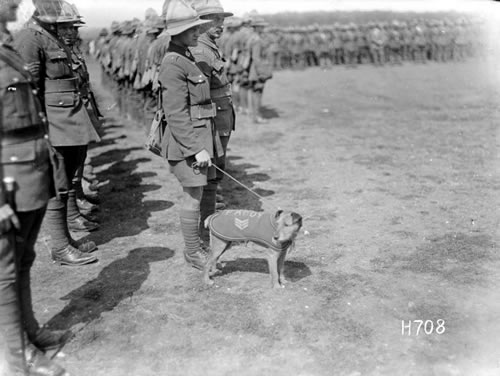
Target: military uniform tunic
(24, 156)
(50, 63)
(187, 105)
(24, 148)
(209, 60)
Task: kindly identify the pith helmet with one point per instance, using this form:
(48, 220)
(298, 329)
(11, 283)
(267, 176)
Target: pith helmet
(210, 7)
(180, 16)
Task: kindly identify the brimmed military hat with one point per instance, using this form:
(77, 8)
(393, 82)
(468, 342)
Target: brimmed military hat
(180, 16)
(233, 22)
(156, 25)
(258, 21)
(210, 7)
(56, 11)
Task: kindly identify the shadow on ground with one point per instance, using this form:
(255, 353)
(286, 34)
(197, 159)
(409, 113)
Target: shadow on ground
(269, 113)
(294, 271)
(116, 282)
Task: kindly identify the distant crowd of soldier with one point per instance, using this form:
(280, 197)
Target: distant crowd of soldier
(371, 43)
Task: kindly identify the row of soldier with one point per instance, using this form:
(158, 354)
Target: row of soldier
(375, 43)
(130, 56)
(48, 118)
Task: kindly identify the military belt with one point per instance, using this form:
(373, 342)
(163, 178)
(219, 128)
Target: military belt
(203, 111)
(224, 91)
(62, 85)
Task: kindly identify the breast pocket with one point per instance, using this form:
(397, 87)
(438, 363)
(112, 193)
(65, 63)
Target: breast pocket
(19, 109)
(57, 64)
(33, 152)
(199, 91)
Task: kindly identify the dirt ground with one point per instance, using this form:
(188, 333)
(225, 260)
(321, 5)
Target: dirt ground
(395, 171)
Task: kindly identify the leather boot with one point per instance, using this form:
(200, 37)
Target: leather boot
(76, 222)
(37, 364)
(193, 253)
(72, 257)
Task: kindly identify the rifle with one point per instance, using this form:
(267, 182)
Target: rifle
(9, 184)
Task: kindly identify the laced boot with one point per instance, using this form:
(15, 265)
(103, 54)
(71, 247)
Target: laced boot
(71, 256)
(193, 253)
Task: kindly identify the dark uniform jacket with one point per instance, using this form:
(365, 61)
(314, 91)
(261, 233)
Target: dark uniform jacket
(186, 102)
(209, 59)
(24, 153)
(50, 62)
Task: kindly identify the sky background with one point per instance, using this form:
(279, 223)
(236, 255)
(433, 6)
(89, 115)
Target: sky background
(100, 13)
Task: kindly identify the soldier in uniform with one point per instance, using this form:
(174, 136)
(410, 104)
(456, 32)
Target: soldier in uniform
(260, 69)
(24, 157)
(50, 61)
(209, 59)
(78, 203)
(146, 65)
(242, 84)
(189, 113)
(377, 44)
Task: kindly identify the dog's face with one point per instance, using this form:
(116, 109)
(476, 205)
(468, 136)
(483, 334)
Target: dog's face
(289, 224)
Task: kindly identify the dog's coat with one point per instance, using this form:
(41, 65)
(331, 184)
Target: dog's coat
(245, 226)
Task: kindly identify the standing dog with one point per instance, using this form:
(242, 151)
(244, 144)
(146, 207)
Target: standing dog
(275, 233)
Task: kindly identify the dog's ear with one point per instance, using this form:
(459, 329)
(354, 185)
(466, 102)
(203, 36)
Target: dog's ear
(278, 213)
(297, 218)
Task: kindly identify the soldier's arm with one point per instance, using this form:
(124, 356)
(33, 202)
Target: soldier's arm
(28, 45)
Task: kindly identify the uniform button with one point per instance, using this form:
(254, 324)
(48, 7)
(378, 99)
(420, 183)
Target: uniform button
(34, 91)
(15, 79)
(219, 108)
(46, 136)
(14, 159)
(61, 103)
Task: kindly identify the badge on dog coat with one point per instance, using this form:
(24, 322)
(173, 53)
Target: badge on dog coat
(244, 226)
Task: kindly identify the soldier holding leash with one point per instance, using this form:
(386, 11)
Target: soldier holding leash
(189, 112)
(209, 59)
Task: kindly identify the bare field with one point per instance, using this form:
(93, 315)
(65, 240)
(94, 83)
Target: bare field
(395, 171)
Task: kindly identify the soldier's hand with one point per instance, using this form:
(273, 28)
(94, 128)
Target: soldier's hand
(203, 159)
(8, 219)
